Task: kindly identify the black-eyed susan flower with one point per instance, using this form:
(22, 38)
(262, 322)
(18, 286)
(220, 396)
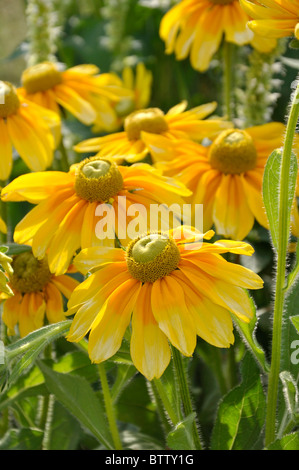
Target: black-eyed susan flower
(73, 89)
(273, 18)
(38, 294)
(28, 128)
(197, 27)
(177, 123)
(91, 204)
(111, 115)
(175, 287)
(226, 177)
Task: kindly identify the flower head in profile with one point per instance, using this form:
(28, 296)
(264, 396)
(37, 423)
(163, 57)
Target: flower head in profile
(73, 89)
(226, 177)
(177, 123)
(38, 294)
(28, 128)
(91, 204)
(173, 285)
(273, 18)
(111, 115)
(197, 27)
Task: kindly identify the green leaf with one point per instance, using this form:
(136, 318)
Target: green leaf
(247, 331)
(16, 249)
(295, 321)
(290, 392)
(289, 442)
(65, 431)
(32, 382)
(271, 190)
(22, 439)
(29, 348)
(292, 277)
(294, 44)
(181, 437)
(241, 413)
(78, 397)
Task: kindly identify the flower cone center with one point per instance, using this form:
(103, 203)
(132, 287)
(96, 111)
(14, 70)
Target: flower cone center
(9, 101)
(41, 77)
(149, 120)
(152, 257)
(97, 180)
(29, 273)
(233, 152)
(222, 2)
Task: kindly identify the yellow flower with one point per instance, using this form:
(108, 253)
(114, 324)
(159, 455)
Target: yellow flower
(273, 18)
(73, 89)
(27, 127)
(3, 227)
(72, 206)
(111, 115)
(226, 177)
(175, 290)
(37, 293)
(196, 28)
(130, 145)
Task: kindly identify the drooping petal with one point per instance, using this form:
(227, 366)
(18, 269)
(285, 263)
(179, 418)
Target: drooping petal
(35, 187)
(6, 152)
(54, 304)
(150, 350)
(169, 309)
(65, 284)
(105, 338)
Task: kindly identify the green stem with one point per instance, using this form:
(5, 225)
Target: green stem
(109, 407)
(64, 162)
(284, 232)
(185, 393)
(166, 402)
(228, 78)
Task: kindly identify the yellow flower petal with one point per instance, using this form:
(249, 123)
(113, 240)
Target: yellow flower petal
(149, 346)
(171, 314)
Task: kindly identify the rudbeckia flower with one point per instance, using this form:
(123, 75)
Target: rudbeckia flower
(111, 115)
(72, 206)
(177, 123)
(173, 284)
(273, 18)
(226, 177)
(28, 128)
(197, 27)
(73, 89)
(37, 294)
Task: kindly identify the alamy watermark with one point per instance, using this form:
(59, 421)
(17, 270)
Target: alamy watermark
(131, 221)
(295, 353)
(2, 92)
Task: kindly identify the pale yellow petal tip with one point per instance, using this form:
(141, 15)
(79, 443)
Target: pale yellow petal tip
(297, 31)
(236, 247)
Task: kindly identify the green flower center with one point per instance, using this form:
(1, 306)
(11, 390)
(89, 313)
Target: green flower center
(41, 77)
(29, 273)
(233, 152)
(9, 101)
(149, 120)
(98, 180)
(152, 257)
